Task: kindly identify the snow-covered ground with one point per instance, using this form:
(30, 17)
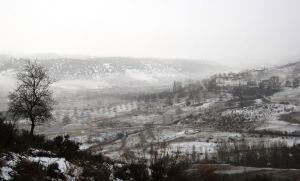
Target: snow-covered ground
(137, 126)
(11, 160)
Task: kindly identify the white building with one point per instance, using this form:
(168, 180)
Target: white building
(230, 81)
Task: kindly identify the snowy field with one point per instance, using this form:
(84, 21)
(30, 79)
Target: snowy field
(114, 123)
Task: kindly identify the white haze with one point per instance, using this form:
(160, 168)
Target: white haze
(231, 32)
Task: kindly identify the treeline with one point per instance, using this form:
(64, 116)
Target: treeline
(275, 155)
(251, 93)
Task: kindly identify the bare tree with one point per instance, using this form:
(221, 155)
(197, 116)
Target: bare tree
(32, 98)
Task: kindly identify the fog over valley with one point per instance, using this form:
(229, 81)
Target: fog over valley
(136, 90)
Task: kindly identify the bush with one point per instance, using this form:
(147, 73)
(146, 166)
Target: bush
(7, 134)
(99, 172)
(26, 170)
(133, 171)
(54, 172)
(63, 147)
(168, 167)
(25, 141)
(13, 140)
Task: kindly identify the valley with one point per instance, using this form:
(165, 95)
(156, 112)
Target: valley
(192, 117)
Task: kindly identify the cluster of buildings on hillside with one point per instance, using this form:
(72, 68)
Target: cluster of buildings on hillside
(245, 80)
(249, 79)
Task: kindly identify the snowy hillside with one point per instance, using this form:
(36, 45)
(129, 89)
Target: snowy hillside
(127, 72)
(284, 72)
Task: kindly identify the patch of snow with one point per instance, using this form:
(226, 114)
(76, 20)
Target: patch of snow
(5, 173)
(63, 164)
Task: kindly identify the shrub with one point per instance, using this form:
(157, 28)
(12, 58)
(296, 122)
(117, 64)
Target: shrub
(133, 171)
(25, 141)
(168, 167)
(54, 172)
(7, 134)
(99, 172)
(63, 147)
(13, 140)
(26, 170)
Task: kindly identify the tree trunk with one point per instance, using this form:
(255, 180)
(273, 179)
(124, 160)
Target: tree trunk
(32, 127)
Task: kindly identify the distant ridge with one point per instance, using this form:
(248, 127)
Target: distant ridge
(120, 71)
(290, 64)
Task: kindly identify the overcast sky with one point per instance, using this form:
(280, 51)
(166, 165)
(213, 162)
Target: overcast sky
(227, 31)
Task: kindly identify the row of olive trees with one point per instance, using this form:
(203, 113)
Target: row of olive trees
(33, 98)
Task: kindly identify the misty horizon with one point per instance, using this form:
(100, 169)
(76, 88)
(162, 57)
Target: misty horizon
(237, 33)
(239, 65)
